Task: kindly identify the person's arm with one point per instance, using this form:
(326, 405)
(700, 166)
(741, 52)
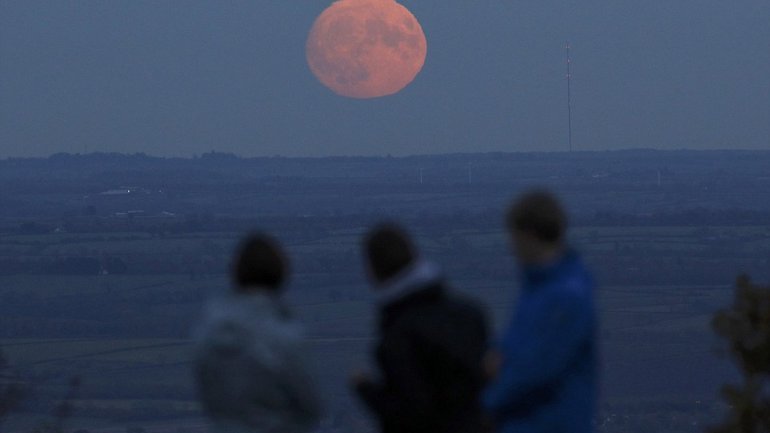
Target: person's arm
(403, 394)
(536, 354)
(302, 387)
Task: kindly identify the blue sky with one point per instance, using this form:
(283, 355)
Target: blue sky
(185, 77)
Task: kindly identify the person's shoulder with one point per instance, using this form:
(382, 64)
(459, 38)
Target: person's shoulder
(464, 305)
(467, 318)
(573, 291)
(579, 283)
(437, 302)
(462, 301)
(573, 278)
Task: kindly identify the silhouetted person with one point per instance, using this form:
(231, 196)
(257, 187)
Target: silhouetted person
(251, 365)
(430, 346)
(544, 370)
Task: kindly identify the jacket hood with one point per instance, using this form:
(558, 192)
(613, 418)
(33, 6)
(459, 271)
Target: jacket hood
(245, 306)
(409, 281)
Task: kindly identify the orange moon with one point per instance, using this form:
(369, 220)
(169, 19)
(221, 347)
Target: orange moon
(366, 48)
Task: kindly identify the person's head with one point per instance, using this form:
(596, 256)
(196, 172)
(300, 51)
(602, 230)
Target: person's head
(260, 265)
(388, 251)
(538, 225)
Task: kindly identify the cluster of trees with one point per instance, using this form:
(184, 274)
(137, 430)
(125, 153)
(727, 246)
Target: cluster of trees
(14, 391)
(746, 327)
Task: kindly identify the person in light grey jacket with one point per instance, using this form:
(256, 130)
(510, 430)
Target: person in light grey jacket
(251, 362)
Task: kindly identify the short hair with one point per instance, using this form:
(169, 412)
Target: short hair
(540, 214)
(260, 262)
(389, 250)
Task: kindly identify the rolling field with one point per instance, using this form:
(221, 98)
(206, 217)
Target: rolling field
(127, 335)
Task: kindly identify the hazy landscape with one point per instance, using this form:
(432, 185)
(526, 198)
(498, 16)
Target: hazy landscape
(141, 140)
(106, 260)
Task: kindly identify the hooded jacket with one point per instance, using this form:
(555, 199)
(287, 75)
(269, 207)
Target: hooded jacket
(429, 355)
(251, 367)
(548, 378)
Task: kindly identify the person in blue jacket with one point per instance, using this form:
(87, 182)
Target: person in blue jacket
(543, 372)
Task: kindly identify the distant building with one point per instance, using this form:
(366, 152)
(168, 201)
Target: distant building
(123, 190)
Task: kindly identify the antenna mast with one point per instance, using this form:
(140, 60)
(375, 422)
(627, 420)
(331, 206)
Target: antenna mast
(569, 96)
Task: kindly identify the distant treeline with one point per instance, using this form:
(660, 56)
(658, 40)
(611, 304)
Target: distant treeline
(645, 154)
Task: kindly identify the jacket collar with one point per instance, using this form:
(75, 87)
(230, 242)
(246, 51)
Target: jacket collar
(535, 274)
(244, 306)
(413, 280)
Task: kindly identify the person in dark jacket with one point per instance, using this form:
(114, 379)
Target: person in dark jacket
(544, 368)
(251, 363)
(431, 344)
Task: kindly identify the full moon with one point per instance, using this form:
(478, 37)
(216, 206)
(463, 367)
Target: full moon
(366, 48)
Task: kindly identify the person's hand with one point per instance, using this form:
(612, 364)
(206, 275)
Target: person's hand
(493, 361)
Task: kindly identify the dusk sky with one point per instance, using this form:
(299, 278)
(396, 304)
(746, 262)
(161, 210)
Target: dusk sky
(178, 78)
